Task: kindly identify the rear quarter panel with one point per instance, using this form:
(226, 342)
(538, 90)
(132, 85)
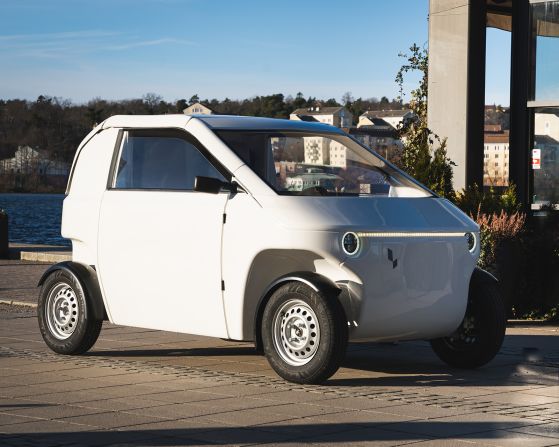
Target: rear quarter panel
(80, 212)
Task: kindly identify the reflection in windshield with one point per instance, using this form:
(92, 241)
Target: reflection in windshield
(316, 164)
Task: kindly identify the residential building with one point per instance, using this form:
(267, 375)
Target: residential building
(496, 156)
(382, 138)
(27, 161)
(395, 118)
(198, 109)
(335, 116)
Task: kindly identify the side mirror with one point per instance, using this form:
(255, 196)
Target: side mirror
(213, 185)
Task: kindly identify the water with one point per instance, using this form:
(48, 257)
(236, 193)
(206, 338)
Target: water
(34, 218)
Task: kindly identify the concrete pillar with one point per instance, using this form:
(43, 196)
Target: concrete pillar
(457, 83)
(521, 86)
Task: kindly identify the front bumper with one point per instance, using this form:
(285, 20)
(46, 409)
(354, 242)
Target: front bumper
(408, 287)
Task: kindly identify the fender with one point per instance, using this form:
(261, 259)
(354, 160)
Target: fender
(87, 276)
(317, 282)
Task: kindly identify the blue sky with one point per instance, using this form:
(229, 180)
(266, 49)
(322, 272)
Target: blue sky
(119, 49)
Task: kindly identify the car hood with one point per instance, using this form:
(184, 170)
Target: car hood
(428, 214)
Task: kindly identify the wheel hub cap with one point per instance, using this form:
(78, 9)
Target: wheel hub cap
(296, 332)
(62, 311)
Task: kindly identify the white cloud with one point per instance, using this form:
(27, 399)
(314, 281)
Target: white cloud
(68, 45)
(149, 43)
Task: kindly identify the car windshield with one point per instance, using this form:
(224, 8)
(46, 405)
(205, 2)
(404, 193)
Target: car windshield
(302, 163)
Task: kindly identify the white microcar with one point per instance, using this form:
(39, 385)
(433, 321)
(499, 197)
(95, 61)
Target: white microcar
(289, 234)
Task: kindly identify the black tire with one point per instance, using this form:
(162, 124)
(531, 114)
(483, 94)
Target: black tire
(70, 328)
(480, 335)
(331, 333)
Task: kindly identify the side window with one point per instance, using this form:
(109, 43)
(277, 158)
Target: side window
(160, 162)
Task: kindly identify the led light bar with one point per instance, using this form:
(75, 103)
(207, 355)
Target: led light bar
(408, 234)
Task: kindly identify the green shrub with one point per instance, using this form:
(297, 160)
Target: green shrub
(522, 253)
(474, 200)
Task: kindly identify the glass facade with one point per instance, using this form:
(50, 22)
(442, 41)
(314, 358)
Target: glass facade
(544, 104)
(545, 157)
(545, 24)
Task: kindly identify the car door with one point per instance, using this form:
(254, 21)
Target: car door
(159, 245)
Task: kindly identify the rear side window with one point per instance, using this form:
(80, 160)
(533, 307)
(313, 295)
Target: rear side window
(160, 162)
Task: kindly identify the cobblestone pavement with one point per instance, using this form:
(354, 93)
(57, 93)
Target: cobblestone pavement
(149, 388)
(18, 280)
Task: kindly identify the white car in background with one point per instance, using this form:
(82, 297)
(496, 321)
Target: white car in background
(195, 225)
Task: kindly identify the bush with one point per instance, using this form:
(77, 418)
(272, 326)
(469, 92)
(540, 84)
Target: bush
(522, 254)
(474, 200)
(497, 230)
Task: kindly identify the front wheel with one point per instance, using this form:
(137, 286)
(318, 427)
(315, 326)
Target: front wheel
(304, 333)
(65, 318)
(480, 336)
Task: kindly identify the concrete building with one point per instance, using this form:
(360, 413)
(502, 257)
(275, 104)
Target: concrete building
(457, 61)
(335, 116)
(395, 118)
(317, 150)
(496, 156)
(198, 109)
(382, 138)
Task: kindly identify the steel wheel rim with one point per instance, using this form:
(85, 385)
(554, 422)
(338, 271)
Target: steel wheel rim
(296, 332)
(62, 311)
(468, 334)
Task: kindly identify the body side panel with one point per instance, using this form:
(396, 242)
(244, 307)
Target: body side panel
(80, 212)
(421, 295)
(160, 260)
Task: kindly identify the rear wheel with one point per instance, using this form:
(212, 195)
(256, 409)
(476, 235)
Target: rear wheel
(65, 318)
(480, 336)
(304, 333)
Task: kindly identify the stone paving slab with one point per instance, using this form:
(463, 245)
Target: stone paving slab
(18, 280)
(40, 253)
(142, 387)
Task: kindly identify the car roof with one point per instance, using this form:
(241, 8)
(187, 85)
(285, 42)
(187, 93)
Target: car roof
(148, 121)
(230, 122)
(217, 122)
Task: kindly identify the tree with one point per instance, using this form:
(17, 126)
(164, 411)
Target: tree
(331, 102)
(180, 105)
(424, 154)
(299, 101)
(152, 101)
(347, 99)
(194, 99)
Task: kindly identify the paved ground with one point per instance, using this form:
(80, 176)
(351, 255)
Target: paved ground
(18, 280)
(148, 388)
(141, 387)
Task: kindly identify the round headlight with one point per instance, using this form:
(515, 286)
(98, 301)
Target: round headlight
(350, 243)
(471, 241)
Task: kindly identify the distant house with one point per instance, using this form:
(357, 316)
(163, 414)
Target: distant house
(382, 138)
(198, 109)
(395, 118)
(27, 160)
(335, 116)
(496, 156)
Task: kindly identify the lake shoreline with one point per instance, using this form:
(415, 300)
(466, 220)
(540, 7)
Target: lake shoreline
(34, 218)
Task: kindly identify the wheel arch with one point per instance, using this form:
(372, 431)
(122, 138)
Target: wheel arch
(315, 281)
(480, 276)
(87, 276)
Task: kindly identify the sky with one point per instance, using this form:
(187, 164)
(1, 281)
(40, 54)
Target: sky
(119, 49)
